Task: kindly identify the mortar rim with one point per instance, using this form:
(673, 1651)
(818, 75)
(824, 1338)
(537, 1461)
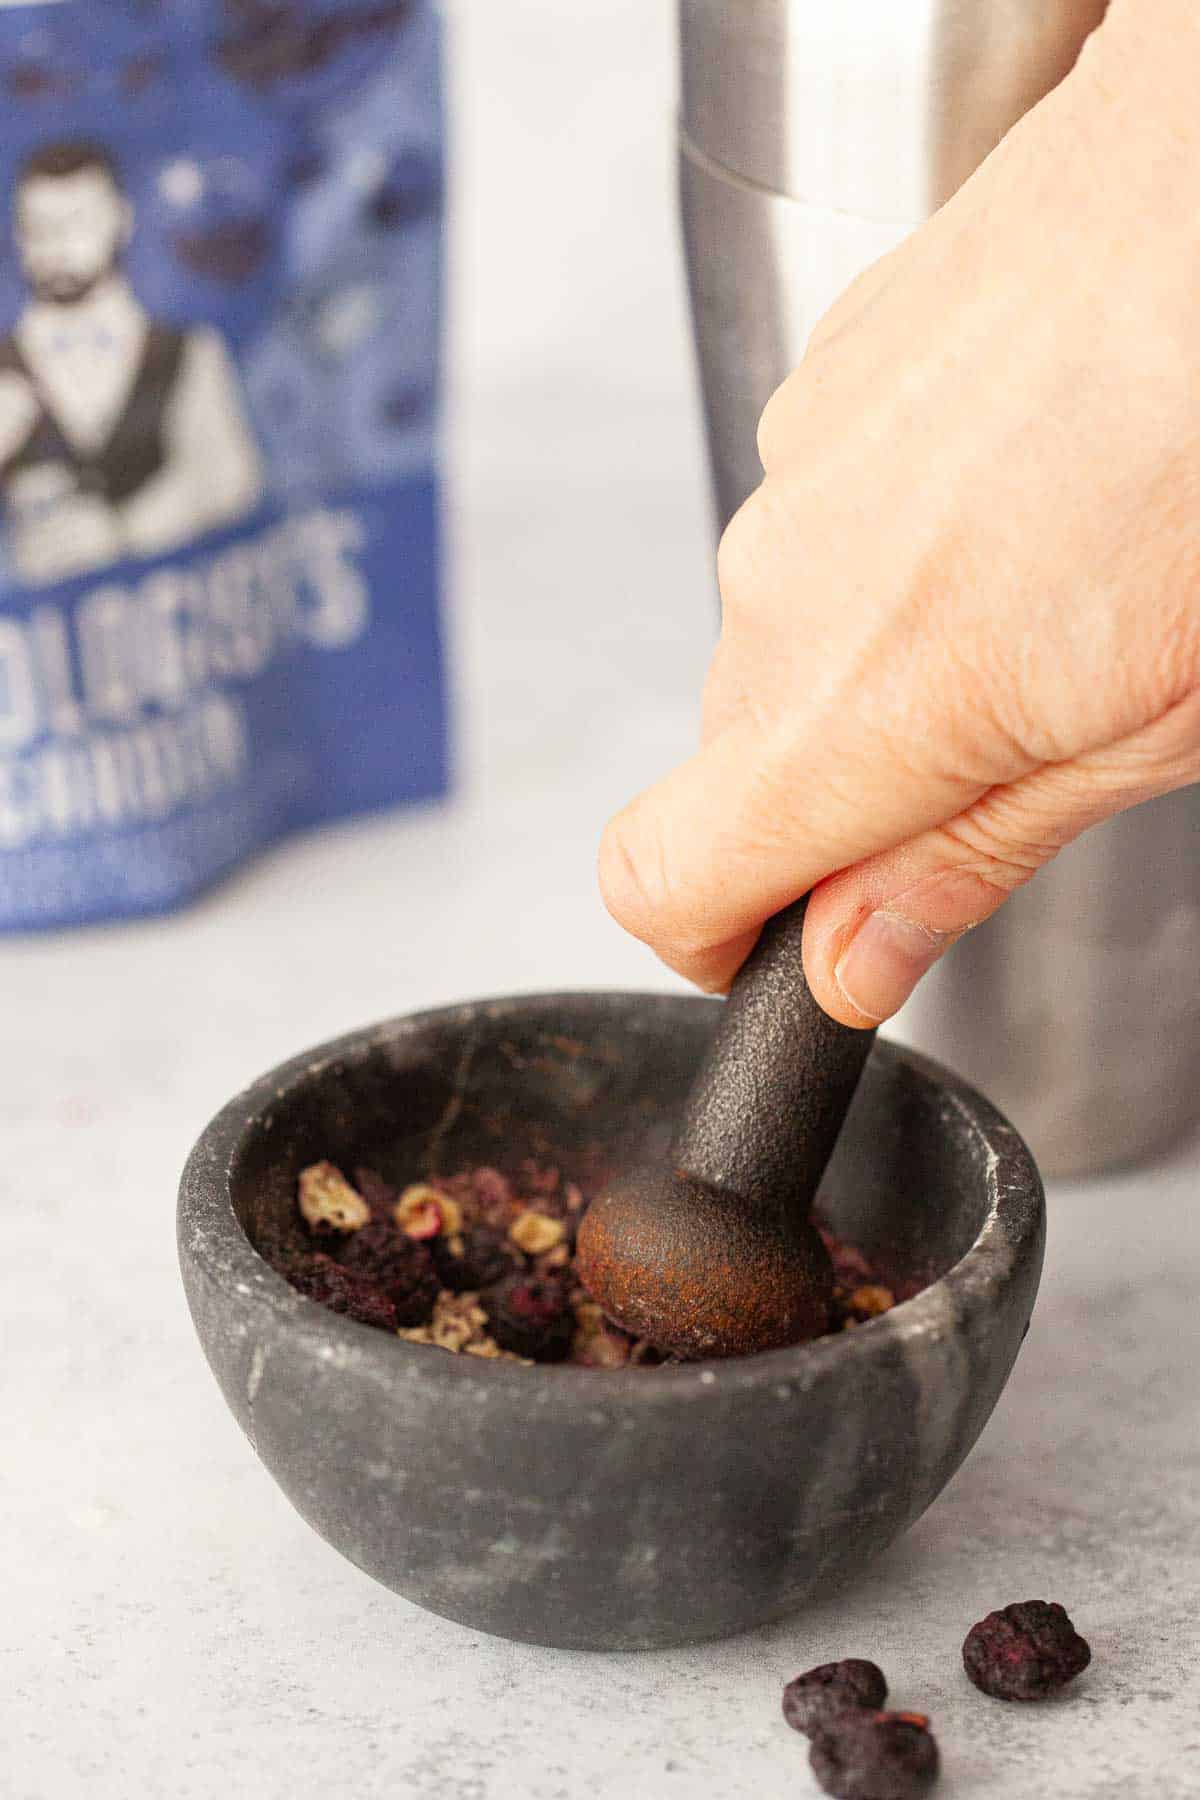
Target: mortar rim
(214, 1244)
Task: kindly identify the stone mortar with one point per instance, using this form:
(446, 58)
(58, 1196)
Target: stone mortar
(590, 1509)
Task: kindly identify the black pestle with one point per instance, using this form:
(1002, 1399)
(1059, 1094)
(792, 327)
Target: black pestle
(714, 1254)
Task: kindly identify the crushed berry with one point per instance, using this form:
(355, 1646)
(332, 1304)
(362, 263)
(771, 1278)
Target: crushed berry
(424, 1212)
(343, 1291)
(532, 1316)
(481, 1263)
(850, 1266)
(859, 1291)
(537, 1233)
(329, 1206)
(401, 1267)
(816, 1697)
(540, 1179)
(476, 1259)
(380, 1195)
(862, 1755)
(493, 1195)
(1025, 1652)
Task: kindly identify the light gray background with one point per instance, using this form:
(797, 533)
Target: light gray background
(169, 1626)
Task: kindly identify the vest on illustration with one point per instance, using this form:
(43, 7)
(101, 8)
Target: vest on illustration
(135, 449)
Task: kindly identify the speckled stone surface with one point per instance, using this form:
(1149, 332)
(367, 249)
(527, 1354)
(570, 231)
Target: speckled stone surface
(645, 1508)
(170, 1627)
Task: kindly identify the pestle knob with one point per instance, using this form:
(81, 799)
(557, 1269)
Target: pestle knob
(714, 1254)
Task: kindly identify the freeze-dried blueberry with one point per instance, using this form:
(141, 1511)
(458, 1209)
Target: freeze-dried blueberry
(861, 1755)
(489, 1186)
(542, 1179)
(279, 1245)
(817, 1696)
(413, 1258)
(398, 1266)
(1024, 1651)
(531, 1316)
(344, 1291)
(476, 1258)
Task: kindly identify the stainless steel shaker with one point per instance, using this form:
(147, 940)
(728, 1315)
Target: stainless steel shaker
(813, 138)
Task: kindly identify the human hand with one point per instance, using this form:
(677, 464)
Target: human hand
(961, 615)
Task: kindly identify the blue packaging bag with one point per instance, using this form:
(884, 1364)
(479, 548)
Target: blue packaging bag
(220, 230)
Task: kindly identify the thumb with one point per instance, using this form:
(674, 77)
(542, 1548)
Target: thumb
(874, 930)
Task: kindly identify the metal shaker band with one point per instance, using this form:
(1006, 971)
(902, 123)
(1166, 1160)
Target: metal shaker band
(880, 108)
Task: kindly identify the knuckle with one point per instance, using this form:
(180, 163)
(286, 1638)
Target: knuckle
(1001, 850)
(989, 722)
(723, 698)
(620, 876)
(738, 557)
(757, 556)
(642, 888)
(774, 428)
(636, 882)
(782, 423)
(832, 323)
(1173, 661)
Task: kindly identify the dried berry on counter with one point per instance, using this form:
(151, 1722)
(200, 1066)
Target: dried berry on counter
(817, 1696)
(1026, 1651)
(862, 1755)
(481, 1263)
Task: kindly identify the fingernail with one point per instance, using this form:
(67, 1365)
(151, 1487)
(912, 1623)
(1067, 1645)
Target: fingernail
(884, 961)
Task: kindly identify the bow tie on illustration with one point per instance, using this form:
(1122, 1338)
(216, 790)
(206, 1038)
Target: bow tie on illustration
(98, 340)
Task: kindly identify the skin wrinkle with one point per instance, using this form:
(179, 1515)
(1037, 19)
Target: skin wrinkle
(1009, 864)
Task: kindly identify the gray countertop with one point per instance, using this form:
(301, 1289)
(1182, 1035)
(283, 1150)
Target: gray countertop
(171, 1627)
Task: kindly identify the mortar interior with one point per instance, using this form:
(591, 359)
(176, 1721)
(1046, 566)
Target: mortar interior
(595, 1089)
